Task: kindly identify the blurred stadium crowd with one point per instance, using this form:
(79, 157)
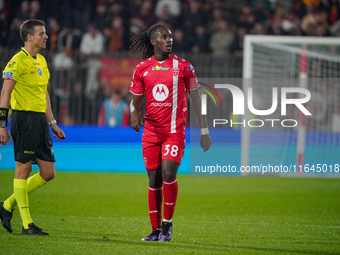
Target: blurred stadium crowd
(209, 33)
(199, 26)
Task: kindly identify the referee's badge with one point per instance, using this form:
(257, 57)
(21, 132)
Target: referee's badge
(39, 71)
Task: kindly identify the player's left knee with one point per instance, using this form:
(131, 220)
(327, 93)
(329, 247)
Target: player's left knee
(169, 170)
(169, 175)
(49, 176)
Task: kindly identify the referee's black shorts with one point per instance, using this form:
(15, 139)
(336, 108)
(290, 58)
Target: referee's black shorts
(31, 137)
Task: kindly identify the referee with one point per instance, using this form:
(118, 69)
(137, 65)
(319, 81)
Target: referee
(25, 86)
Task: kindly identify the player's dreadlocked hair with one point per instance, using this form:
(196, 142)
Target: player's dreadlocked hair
(141, 42)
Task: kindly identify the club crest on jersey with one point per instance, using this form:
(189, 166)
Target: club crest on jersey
(175, 71)
(160, 68)
(160, 92)
(39, 71)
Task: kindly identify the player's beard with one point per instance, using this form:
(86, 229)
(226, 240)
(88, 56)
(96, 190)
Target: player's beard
(166, 54)
(163, 51)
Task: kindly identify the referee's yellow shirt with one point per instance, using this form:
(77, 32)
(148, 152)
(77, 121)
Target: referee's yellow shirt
(31, 76)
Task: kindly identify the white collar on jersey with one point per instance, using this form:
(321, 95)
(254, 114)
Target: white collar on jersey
(161, 62)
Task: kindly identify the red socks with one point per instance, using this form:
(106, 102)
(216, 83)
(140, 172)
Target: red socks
(155, 197)
(170, 191)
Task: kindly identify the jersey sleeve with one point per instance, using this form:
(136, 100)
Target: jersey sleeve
(12, 70)
(137, 86)
(46, 70)
(190, 79)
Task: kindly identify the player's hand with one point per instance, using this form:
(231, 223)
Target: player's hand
(136, 121)
(4, 135)
(205, 142)
(58, 133)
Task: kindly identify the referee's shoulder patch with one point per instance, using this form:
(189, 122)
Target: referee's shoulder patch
(8, 75)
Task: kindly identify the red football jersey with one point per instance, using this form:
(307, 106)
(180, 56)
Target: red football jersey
(165, 85)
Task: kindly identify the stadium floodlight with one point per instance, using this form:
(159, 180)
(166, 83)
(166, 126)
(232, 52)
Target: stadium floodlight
(310, 63)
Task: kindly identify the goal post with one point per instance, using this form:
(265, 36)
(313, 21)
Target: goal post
(311, 63)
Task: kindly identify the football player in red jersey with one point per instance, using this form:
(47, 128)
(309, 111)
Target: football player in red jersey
(165, 80)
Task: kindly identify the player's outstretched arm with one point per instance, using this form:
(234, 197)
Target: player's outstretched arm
(58, 133)
(136, 118)
(6, 91)
(205, 137)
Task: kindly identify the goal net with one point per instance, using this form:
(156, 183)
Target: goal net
(304, 143)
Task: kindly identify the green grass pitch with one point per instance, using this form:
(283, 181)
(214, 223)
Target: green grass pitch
(108, 214)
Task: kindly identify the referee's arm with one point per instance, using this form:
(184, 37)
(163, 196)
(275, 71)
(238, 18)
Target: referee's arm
(6, 91)
(58, 133)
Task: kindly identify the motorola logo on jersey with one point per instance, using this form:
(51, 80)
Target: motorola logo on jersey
(160, 92)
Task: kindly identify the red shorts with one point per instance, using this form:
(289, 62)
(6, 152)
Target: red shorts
(159, 146)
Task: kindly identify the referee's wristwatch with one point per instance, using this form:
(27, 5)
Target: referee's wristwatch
(50, 123)
(3, 117)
